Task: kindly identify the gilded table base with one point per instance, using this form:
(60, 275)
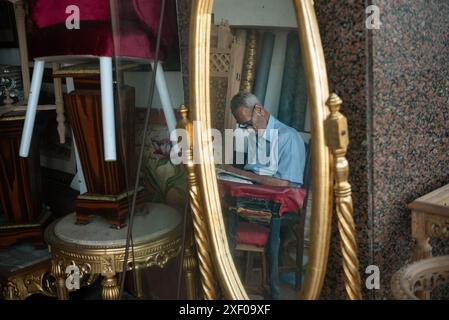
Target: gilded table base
(35, 279)
(107, 261)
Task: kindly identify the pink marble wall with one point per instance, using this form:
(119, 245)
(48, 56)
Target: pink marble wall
(410, 122)
(342, 28)
(394, 83)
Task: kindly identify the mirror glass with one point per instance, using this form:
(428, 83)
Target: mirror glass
(261, 137)
(146, 113)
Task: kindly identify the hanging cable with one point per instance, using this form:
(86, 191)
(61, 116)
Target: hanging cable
(119, 80)
(139, 163)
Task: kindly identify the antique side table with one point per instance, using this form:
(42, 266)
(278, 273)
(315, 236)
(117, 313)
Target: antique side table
(430, 219)
(99, 250)
(24, 271)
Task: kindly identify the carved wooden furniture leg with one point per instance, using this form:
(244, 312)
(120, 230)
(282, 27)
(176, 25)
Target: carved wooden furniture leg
(189, 266)
(422, 248)
(110, 289)
(58, 271)
(60, 118)
(19, 13)
(137, 276)
(10, 291)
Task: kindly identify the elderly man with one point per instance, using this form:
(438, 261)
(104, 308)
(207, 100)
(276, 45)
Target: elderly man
(283, 151)
(282, 147)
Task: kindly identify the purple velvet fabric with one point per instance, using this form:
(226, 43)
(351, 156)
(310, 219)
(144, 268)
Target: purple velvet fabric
(94, 38)
(45, 13)
(136, 36)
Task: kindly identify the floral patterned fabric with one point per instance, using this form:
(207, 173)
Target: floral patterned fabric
(166, 182)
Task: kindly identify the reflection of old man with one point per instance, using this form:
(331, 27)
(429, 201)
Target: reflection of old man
(282, 145)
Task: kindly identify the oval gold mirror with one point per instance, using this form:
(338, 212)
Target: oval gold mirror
(217, 258)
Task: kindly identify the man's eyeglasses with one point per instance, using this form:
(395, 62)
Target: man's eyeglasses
(248, 124)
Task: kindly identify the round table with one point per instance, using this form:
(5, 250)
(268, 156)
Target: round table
(96, 249)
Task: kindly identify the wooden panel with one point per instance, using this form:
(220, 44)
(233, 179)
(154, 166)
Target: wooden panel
(84, 113)
(20, 186)
(19, 196)
(222, 64)
(103, 178)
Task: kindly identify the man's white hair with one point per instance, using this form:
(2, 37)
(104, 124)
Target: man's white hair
(244, 99)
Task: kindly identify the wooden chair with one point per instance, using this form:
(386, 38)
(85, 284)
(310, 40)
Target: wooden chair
(252, 229)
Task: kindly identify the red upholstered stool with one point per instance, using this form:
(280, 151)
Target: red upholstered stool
(259, 204)
(266, 206)
(251, 237)
(252, 234)
(59, 41)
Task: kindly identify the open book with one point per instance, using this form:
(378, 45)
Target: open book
(231, 176)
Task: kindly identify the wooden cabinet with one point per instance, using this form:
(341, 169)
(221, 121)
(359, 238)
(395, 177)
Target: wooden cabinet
(22, 216)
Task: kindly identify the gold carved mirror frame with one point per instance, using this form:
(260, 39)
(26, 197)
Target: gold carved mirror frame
(330, 139)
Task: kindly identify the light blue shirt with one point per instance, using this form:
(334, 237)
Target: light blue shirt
(280, 153)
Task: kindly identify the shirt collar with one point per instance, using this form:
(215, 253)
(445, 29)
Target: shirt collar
(270, 125)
